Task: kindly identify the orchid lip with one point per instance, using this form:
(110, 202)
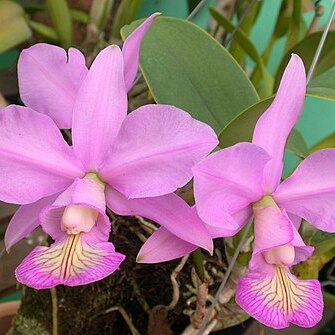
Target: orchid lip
(279, 298)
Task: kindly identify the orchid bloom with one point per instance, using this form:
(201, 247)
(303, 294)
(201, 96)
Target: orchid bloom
(131, 164)
(49, 78)
(244, 181)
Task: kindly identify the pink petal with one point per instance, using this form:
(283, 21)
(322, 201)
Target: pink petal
(99, 109)
(83, 192)
(25, 220)
(310, 191)
(170, 211)
(49, 80)
(227, 182)
(278, 298)
(302, 251)
(239, 219)
(155, 150)
(131, 50)
(163, 246)
(274, 126)
(71, 262)
(296, 220)
(35, 160)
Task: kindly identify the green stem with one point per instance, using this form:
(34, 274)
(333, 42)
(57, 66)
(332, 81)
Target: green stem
(197, 260)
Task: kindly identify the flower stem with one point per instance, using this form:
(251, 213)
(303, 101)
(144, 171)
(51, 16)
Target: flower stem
(198, 263)
(225, 279)
(54, 306)
(196, 10)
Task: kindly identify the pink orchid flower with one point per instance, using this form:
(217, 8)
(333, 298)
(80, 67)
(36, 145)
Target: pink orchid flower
(243, 181)
(49, 78)
(131, 164)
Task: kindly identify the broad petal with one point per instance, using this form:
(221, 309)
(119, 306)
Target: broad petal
(169, 211)
(35, 161)
(239, 219)
(227, 182)
(25, 220)
(155, 151)
(99, 109)
(71, 262)
(131, 50)
(310, 191)
(278, 298)
(49, 80)
(163, 246)
(274, 126)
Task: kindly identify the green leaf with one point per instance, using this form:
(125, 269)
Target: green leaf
(186, 67)
(14, 28)
(280, 29)
(306, 50)
(249, 48)
(124, 15)
(323, 242)
(61, 19)
(99, 13)
(297, 145)
(245, 25)
(79, 16)
(297, 27)
(241, 128)
(46, 32)
(323, 86)
(327, 142)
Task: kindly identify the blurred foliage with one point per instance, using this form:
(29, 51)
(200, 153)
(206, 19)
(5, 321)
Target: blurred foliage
(14, 28)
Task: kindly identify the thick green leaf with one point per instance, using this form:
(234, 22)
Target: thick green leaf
(186, 67)
(249, 48)
(241, 128)
(306, 50)
(13, 26)
(323, 86)
(61, 19)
